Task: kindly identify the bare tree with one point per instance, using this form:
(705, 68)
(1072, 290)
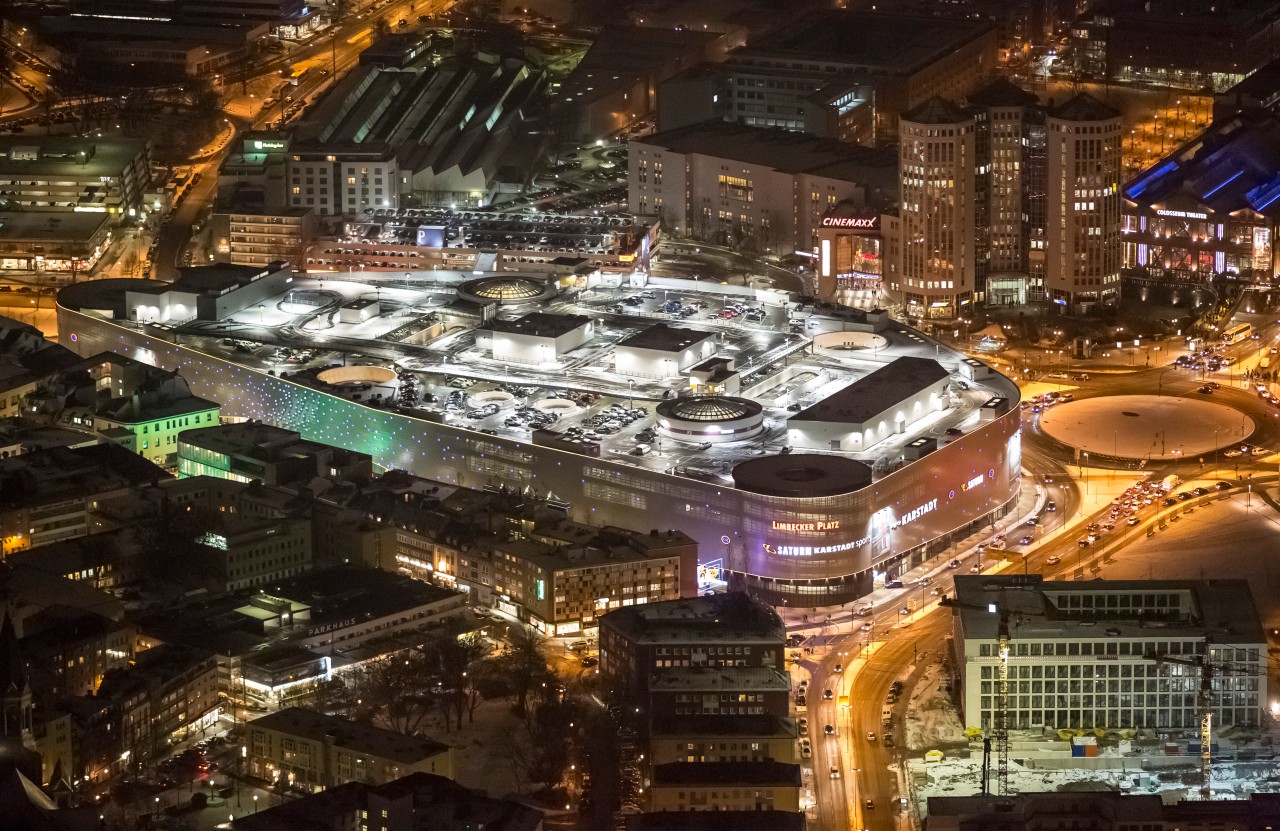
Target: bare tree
(396, 691)
(524, 665)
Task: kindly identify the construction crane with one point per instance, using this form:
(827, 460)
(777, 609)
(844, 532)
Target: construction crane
(1204, 703)
(1000, 712)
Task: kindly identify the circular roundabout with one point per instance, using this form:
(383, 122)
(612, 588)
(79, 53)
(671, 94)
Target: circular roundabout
(710, 418)
(1145, 426)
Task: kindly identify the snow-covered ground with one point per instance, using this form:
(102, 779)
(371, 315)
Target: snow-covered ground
(1234, 537)
(932, 722)
(962, 777)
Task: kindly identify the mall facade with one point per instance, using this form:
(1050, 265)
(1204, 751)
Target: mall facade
(801, 528)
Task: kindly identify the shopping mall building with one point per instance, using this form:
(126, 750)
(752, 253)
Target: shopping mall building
(813, 527)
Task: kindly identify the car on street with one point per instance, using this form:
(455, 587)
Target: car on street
(904, 611)
(1133, 520)
(871, 736)
(1053, 561)
(869, 804)
(1051, 505)
(1223, 486)
(827, 695)
(829, 730)
(1084, 543)
(953, 564)
(838, 668)
(835, 772)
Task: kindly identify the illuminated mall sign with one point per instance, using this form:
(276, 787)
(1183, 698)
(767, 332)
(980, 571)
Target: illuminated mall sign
(1182, 214)
(864, 223)
(973, 483)
(809, 550)
(883, 520)
(821, 525)
(269, 145)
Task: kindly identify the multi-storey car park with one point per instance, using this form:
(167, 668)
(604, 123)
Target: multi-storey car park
(812, 453)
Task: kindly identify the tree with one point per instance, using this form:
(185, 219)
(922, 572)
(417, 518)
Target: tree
(524, 665)
(396, 690)
(461, 665)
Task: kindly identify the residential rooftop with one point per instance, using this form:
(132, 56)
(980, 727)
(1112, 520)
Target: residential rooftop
(694, 774)
(734, 616)
(437, 803)
(708, 726)
(719, 679)
(782, 150)
(341, 732)
(717, 821)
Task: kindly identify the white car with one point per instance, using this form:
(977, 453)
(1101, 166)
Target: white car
(1053, 561)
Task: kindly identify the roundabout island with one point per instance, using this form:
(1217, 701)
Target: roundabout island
(1146, 426)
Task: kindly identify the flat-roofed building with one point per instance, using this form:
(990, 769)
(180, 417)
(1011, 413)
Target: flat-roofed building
(149, 420)
(48, 494)
(53, 241)
(732, 689)
(709, 738)
(882, 62)
(725, 786)
(562, 581)
(537, 337)
(723, 630)
(662, 351)
(766, 188)
(315, 751)
(873, 408)
(260, 237)
(44, 173)
(247, 551)
(407, 804)
(1107, 637)
(250, 450)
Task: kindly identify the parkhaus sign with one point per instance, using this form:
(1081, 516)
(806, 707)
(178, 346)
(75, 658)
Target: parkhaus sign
(864, 223)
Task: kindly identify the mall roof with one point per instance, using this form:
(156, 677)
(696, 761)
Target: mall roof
(1233, 165)
(803, 475)
(883, 42)
(540, 325)
(1220, 609)
(872, 394)
(349, 735)
(663, 338)
(782, 150)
